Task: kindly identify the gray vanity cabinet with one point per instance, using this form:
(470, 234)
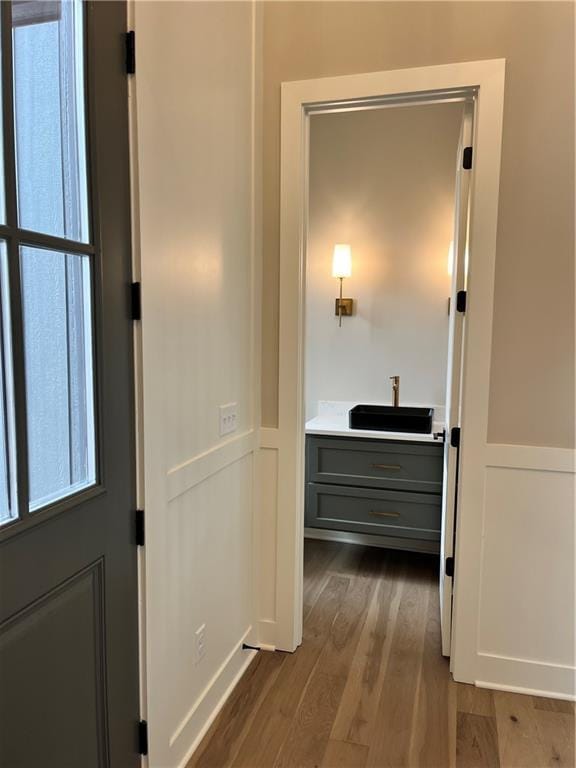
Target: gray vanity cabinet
(389, 488)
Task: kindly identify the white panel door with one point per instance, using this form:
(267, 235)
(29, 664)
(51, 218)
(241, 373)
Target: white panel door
(454, 373)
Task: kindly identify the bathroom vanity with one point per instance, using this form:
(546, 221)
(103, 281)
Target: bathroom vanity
(383, 484)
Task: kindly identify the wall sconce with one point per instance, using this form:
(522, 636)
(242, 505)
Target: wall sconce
(341, 268)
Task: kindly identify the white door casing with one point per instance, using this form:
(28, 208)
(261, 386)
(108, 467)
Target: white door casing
(299, 100)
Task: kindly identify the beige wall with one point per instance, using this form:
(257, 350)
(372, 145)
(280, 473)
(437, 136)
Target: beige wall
(532, 378)
(383, 181)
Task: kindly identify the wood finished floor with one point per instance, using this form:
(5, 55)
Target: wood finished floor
(369, 688)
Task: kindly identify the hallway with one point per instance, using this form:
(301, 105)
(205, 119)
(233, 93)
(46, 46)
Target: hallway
(368, 686)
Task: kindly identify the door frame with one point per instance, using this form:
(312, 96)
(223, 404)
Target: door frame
(300, 99)
(452, 404)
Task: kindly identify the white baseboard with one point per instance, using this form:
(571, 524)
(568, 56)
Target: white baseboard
(215, 695)
(529, 676)
(526, 691)
(367, 539)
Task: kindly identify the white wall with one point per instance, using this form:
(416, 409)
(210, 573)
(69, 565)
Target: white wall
(383, 181)
(193, 134)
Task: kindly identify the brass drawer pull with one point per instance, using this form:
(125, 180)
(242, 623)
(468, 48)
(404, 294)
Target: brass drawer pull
(384, 514)
(395, 467)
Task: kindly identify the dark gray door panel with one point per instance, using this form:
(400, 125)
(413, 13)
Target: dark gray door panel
(58, 644)
(69, 676)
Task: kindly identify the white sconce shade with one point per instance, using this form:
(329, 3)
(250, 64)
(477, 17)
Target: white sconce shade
(342, 260)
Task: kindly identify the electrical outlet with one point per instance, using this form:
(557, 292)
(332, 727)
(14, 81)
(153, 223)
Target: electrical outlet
(200, 640)
(228, 418)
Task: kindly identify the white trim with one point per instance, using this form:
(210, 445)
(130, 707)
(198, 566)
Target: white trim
(453, 400)
(207, 689)
(239, 673)
(138, 374)
(531, 457)
(503, 673)
(269, 438)
(550, 664)
(525, 691)
(487, 77)
(267, 635)
(256, 315)
(185, 476)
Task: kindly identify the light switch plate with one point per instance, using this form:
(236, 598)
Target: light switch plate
(228, 418)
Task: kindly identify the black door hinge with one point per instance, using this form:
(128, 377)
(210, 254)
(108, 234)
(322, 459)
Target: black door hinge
(440, 436)
(130, 52)
(461, 301)
(455, 437)
(135, 301)
(140, 528)
(143, 737)
(467, 158)
(449, 566)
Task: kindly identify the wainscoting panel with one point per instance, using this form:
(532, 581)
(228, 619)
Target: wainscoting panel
(210, 541)
(526, 628)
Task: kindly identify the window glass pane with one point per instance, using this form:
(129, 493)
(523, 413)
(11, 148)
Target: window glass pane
(2, 181)
(57, 310)
(49, 117)
(8, 504)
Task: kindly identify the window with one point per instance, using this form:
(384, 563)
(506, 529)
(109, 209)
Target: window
(49, 118)
(47, 422)
(58, 364)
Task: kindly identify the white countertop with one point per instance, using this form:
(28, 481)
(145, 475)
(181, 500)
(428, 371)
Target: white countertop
(332, 419)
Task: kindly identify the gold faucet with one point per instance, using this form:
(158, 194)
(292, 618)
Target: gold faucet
(395, 390)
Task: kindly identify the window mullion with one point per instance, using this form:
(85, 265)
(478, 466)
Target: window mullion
(13, 250)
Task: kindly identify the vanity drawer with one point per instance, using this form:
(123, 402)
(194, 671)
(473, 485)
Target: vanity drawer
(375, 463)
(365, 510)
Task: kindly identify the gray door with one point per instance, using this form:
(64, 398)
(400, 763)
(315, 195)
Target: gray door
(68, 569)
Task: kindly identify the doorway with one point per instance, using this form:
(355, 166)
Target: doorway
(69, 608)
(387, 214)
(482, 82)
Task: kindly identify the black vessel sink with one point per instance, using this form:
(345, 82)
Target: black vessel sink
(387, 418)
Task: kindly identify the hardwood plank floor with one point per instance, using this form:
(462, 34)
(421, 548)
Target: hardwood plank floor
(369, 687)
